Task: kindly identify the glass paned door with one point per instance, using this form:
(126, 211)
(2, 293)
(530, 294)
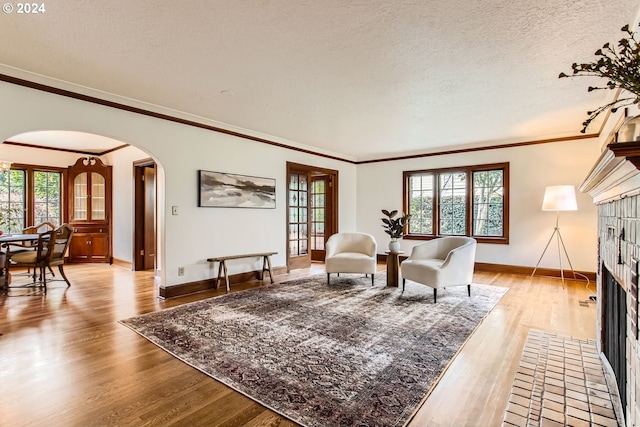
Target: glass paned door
(312, 213)
(319, 186)
(298, 206)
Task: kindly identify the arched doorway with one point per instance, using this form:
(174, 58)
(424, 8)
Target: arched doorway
(60, 149)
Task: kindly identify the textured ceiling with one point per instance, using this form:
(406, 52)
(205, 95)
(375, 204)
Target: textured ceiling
(362, 79)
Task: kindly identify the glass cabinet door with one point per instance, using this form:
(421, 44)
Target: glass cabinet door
(89, 197)
(98, 210)
(80, 197)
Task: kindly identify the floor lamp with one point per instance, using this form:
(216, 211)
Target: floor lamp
(558, 198)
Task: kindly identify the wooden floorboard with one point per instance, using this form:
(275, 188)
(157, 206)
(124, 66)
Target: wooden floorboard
(66, 361)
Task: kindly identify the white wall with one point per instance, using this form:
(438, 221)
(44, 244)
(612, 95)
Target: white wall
(28, 156)
(196, 233)
(123, 199)
(180, 151)
(531, 169)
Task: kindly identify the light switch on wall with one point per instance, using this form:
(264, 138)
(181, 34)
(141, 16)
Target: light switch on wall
(174, 210)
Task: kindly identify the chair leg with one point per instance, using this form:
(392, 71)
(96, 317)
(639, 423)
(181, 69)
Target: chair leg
(328, 278)
(435, 295)
(469, 289)
(372, 278)
(43, 278)
(64, 276)
(403, 280)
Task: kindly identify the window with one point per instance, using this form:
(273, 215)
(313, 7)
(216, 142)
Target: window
(465, 201)
(12, 199)
(32, 195)
(46, 189)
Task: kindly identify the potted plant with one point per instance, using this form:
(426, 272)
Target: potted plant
(394, 227)
(620, 67)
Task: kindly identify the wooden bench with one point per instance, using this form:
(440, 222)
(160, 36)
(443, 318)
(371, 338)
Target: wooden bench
(222, 266)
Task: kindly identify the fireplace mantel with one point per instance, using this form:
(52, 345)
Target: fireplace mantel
(616, 174)
(614, 185)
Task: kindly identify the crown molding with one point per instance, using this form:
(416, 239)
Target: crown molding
(145, 112)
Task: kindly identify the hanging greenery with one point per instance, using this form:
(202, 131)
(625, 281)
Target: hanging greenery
(619, 66)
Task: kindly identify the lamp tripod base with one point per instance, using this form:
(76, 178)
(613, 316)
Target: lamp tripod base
(560, 243)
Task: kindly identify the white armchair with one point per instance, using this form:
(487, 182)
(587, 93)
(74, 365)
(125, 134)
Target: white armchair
(442, 262)
(351, 253)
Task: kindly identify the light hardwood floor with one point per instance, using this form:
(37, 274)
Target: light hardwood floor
(65, 361)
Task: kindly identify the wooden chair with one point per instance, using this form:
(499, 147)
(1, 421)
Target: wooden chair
(49, 251)
(40, 228)
(32, 229)
(30, 246)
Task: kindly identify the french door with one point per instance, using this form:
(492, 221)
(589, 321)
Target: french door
(312, 212)
(320, 217)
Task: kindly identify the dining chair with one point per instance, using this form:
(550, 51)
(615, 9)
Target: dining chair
(32, 229)
(49, 251)
(39, 228)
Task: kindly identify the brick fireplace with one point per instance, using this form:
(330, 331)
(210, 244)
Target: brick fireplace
(614, 184)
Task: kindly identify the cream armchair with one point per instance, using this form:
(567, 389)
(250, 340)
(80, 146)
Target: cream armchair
(351, 253)
(442, 262)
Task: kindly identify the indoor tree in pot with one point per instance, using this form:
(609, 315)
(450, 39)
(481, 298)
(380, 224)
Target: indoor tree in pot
(394, 227)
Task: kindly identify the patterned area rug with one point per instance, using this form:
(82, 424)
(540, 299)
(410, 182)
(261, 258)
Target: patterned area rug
(345, 354)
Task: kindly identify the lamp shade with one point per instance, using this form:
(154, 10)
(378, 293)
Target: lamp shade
(560, 198)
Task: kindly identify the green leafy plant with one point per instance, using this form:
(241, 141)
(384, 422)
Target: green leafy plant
(393, 226)
(8, 219)
(620, 67)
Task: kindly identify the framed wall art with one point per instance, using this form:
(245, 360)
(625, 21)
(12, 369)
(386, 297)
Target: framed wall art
(227, 190)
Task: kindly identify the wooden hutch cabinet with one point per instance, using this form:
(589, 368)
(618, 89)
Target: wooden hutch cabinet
(89, 200)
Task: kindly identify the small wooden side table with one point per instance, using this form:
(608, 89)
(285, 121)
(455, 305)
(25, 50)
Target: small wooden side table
(393, 268)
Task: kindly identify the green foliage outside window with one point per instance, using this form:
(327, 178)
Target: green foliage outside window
(488, 203)
(453, 203)
(13, 200)
(486, 207)
(421, 194)
(421, 211)
(47, 197)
